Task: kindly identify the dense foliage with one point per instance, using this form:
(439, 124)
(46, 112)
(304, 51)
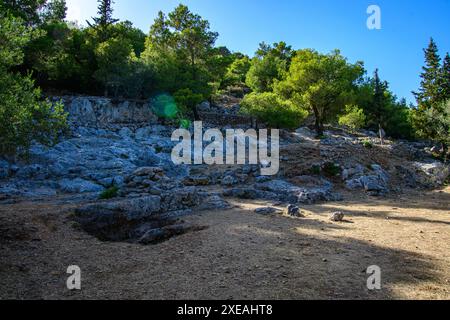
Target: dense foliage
(179, 59)
(354, 117)
(431, 117)
(24, 117)
(273, 110)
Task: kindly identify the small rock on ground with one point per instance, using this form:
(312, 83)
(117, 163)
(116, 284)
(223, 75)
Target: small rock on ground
(337, 216)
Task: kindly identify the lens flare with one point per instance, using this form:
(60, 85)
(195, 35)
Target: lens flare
(164, 106)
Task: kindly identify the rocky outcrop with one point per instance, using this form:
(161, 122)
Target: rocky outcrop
(103, 113)
(148, 209)
(90, 160)
(374, 181)
(436, 172)
(284, 191)
(121, 144)
(142, 220)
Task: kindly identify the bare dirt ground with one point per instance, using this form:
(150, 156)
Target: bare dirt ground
(240, 255)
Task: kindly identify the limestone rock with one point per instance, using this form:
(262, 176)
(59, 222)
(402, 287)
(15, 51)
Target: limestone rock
(293, 211)
(197, 180)
(337, 216)
(79, 185)
(229, 181)
(4, 169)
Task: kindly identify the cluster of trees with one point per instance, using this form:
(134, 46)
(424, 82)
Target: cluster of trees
(432, 115)
(179, 57)
(113, 58)
(327, 86)
(24, 115)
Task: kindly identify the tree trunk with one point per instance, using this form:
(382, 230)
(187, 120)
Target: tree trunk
(196, 115)
(381, 133)
(319, 123)
(445, 152)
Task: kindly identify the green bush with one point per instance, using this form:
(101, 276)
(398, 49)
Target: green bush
(354, 117)
(331, 169)
(316, 170)
(273, 110)
(109, 193)
(186, 99)
(367, 144)
(24, 117)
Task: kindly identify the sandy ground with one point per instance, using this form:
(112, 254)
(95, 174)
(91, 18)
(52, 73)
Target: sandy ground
(240, 255)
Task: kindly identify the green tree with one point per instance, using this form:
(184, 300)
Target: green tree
(439, 118)
(187, 100)
(27, 10)
(237, 71)
(320, 83)
(273, 110)
(24, 116)
(192, 36)
(113, 57)
(43, 54)
(444, 80)
(354, 117)
(432, 93)
(268, 66)
(55, 10)
(104, 20)
(398, 119)
(134, 36)
(428, 93)
(377, 109)
(220, 59)
(180, 48)
(280, 50)
(263, 73)
(381, 106)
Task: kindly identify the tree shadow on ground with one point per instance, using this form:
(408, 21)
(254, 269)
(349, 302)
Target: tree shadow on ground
(242, 255)
(380, 214)
(301, 263)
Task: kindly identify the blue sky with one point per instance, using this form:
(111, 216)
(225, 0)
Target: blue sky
(324, 25)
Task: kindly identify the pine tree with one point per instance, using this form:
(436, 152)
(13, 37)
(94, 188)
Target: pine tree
(28, 10)
(444, 80)
(428, 93)
(432, 96)
(105, 12)
(56, 10)
(379, 103)
(105, 18)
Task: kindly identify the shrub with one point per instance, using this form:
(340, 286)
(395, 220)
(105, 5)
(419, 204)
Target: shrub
(273, 110)
(187, 99)
(354, 117)
(367, 144)
(109, 193)
(331, 169)
(316, 170)
(24, 117)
